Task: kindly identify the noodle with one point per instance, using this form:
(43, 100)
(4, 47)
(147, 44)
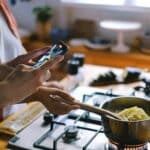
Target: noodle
(133, 114)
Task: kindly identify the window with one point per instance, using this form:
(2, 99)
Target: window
(128, 3)
(141, 3)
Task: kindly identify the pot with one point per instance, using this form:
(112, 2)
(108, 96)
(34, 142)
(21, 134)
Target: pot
(126, 132)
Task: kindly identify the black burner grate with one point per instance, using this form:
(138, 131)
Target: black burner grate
(37, 144)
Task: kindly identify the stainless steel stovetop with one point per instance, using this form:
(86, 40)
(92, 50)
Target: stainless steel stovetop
(88, 132)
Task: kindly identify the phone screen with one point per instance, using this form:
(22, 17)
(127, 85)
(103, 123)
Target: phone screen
(58, 49)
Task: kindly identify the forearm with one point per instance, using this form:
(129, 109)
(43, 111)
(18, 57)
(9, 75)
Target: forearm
(10, 94)
(5, 98)
(4, 71)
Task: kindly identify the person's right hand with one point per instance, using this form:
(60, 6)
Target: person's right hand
(25, 80)
(55, 100)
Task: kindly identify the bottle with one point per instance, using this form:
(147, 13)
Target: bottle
(80, 57)
(71, 81)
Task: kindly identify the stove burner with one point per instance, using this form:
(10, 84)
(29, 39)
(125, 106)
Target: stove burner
(71, 134)
(115, 146)
(48, 118)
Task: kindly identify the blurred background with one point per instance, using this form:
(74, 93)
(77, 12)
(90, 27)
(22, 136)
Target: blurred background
(66, 12)
(99, 29)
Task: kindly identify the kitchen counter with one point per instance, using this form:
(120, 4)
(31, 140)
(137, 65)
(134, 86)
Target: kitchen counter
(107, 58)
(92, 71)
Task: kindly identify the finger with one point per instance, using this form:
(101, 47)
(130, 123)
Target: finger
(61, 108)
(23, 67)
(20, 66)
(65, 97)
(50, 64)
(53, 91)
(53, 84)
(35, 54)
(67, 108)
(16, 72)
(56, 98)
(30, 62)
(46, 76)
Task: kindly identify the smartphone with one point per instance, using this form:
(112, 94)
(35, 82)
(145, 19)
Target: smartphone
(58, 49)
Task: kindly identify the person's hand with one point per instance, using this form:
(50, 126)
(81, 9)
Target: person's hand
(28, 58)
(55, 100)
(53, 84)
(25, 80)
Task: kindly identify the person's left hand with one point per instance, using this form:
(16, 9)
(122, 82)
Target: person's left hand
(29, 58)
(55, 100)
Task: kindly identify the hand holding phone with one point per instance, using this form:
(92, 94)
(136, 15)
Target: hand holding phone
(58, 49)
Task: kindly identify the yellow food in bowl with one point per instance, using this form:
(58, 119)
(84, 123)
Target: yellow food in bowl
(133, 114)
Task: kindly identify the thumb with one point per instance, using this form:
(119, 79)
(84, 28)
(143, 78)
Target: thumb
(23, 67)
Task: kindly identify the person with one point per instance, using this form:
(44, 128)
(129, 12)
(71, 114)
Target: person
(25, 83)
(11, 47)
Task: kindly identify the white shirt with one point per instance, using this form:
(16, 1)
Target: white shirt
(10, 48)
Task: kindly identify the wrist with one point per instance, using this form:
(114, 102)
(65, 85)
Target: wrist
(40, 95)
(34, 97)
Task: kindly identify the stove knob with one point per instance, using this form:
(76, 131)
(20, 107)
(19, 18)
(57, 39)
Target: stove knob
(48, 117)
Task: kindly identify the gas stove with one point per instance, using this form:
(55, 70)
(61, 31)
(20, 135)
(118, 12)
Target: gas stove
(78, 130)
